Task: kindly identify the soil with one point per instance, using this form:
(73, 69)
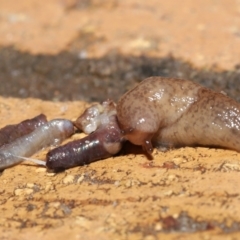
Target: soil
(58, 57)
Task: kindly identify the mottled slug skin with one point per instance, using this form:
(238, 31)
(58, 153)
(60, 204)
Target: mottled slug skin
(172, 112)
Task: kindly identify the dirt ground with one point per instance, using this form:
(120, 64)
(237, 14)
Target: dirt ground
(59, 56)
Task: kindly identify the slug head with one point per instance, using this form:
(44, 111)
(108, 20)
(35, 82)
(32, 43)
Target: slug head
(138, 122)
(138, 137)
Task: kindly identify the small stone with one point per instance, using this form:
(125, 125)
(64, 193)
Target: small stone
(49, 186)
(149, 237)
(158, 227)
(4, 181)
(83, 222)
(140, 43)
(68, 179)
(30, 185)
(172, 177)
(54, 204)
(117, 183)
(49, 174)
(168, 193)
(80, 179)
(40, 169)
(177, 160)
(23, 191)
(128, 184)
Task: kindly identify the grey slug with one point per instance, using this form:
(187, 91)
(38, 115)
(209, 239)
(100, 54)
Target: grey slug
(10, 133)
(171, 112)
(48, 134)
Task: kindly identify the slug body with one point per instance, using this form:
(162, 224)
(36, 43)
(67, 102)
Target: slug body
(11, 132)
(104, 140)
(172, 112)
(48, 134)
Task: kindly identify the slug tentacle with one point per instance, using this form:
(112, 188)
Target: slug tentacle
(48, 134)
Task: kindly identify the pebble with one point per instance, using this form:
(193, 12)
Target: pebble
(80, 179)
(23, 191)
(68, 179)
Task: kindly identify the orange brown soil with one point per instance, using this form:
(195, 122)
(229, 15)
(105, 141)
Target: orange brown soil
(187, 193)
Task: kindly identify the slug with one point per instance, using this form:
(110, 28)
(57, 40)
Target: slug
(11, 132)
(48, 134)
(104, 140)
(169, 112)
